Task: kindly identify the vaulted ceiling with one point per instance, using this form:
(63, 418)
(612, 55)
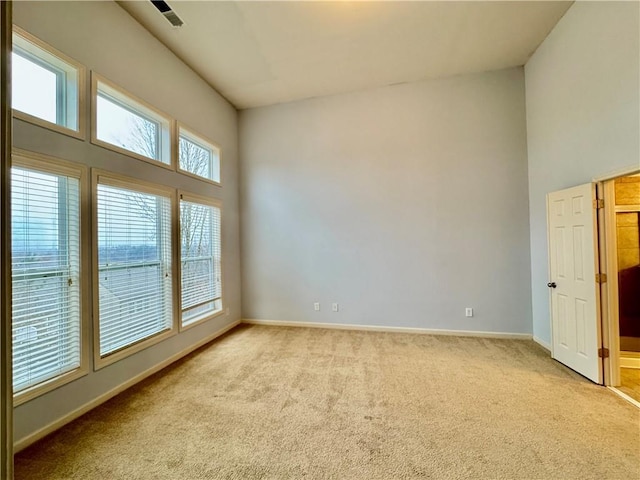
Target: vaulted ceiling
(262, 53)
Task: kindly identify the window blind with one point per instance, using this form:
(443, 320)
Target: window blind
(200, 260)
(134, 266)
(45, 241)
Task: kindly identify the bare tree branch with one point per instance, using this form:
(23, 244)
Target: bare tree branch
(196, 221)
(194, 159)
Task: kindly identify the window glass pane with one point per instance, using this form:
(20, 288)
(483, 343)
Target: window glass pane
(200, 260)
(45, 240)
(44, 84)
(121, 126)
(34, 89)
(134, 266)
(199, 159)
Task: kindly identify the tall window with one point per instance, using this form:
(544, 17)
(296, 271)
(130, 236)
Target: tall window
(134, 264)
(198, 157)
(200, 260)
(130, 126)
(45, 83)
(45, 241)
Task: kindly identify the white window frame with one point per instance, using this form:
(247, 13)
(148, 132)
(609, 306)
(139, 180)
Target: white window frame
(202, 142)
(56, 166)
(64, 63)
(138, 106)
(207, 201)
(112, 179)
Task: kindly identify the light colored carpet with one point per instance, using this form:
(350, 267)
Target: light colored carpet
(289, 403)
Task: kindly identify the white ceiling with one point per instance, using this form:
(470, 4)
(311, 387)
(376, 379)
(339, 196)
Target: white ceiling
(261, 53)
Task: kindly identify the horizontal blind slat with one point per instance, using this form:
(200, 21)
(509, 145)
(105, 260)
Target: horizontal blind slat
(134, 257)
(45, 242)
(200, 254)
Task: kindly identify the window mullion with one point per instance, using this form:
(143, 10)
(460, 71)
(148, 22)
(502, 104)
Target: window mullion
(61, 97)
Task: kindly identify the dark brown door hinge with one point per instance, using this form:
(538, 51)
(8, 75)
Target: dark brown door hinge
(599, 203)
(601, 278)
(603, 352)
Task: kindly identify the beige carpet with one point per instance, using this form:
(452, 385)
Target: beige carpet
(289, 403)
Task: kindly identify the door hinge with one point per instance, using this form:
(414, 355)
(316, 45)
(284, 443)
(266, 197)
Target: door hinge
(601, 278)
(603, 352)
(598, 203)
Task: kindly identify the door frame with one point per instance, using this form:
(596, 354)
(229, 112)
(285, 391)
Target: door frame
(607, 245)
(6, 381)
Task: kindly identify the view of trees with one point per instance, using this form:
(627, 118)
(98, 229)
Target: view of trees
(195, 239)
(197, 222)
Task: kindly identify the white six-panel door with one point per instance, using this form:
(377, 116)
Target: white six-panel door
(575, 320)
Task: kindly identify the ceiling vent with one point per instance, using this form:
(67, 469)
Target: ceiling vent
(169, 14)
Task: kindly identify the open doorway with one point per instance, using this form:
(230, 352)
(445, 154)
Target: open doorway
(627, 204)
(594, 280)
(622, 217)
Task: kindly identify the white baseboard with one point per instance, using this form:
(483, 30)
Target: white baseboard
(55, 425)
(375, 328)
(542, 343)
(630, 360)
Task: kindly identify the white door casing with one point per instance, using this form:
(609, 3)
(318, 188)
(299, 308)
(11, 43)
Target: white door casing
(573, 260)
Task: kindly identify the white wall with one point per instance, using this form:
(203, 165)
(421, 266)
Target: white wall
(404, 204)
(583, 109)
(106, 39)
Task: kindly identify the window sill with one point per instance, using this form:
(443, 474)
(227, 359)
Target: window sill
(129, 153)
(32, 392)
(199, 177)
(25, 117)
(202, 319)
(101, 362)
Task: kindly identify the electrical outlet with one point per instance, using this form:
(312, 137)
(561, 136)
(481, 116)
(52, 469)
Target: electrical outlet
(316, 307)
(468, 312)
(226, 311)
(334, 307)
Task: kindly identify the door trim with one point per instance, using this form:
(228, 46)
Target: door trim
(609, 291)
(6, 382)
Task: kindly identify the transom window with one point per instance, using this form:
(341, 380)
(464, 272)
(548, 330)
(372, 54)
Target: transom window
(134, 274)
(130, 126)
(46, 85)
(198, 157)
(139, 233)
(201, 283)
